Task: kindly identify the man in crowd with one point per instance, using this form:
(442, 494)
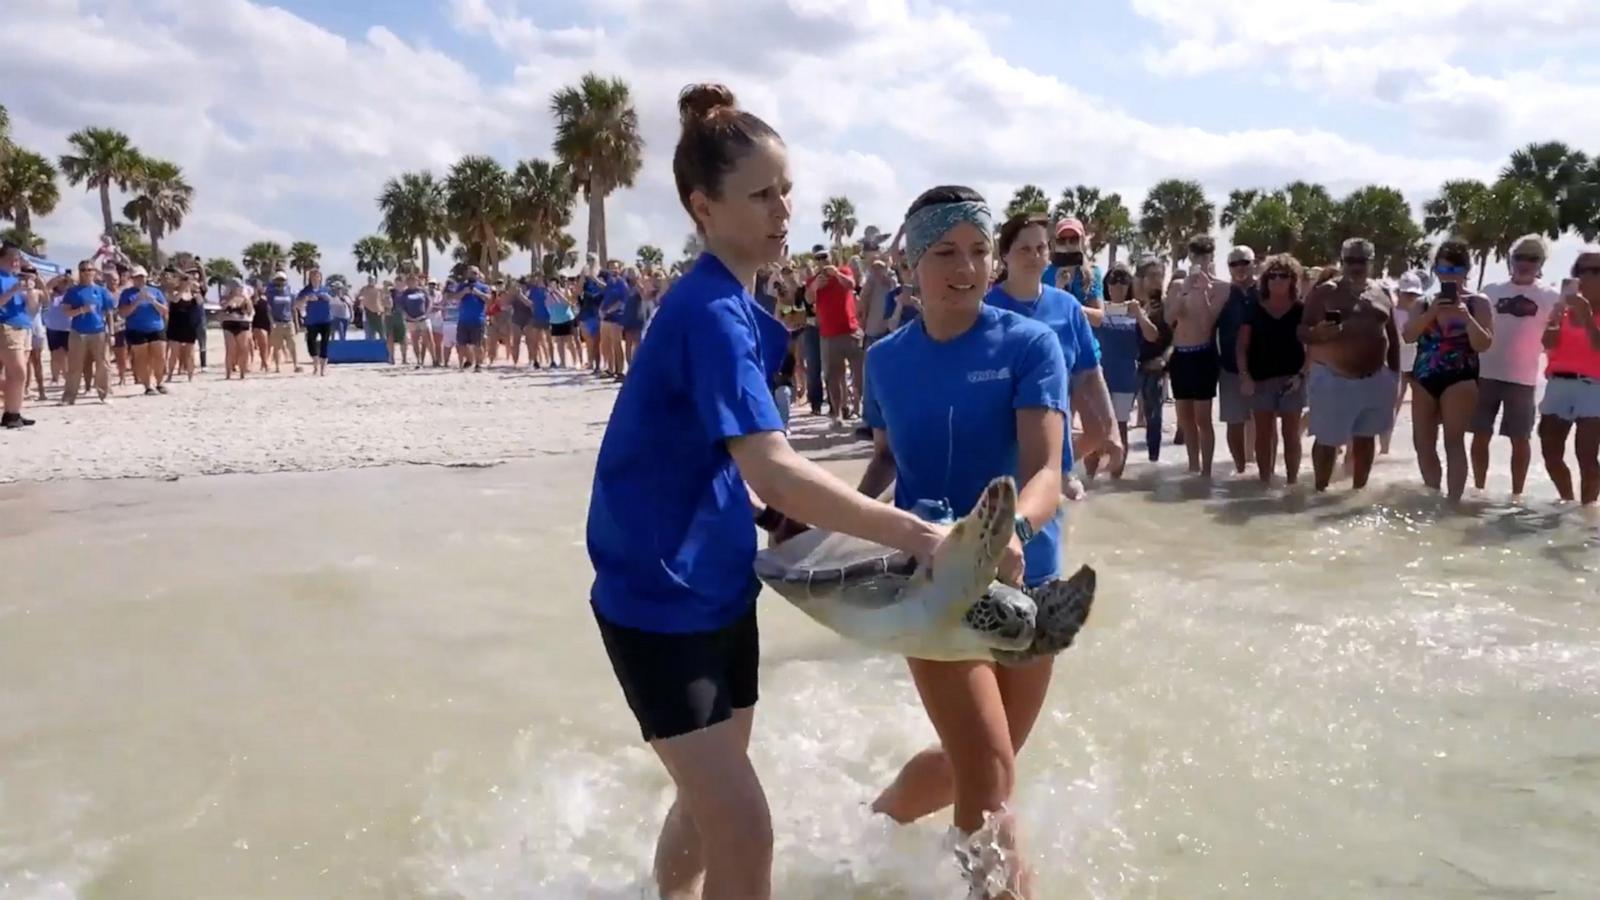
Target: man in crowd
(1232, 407)
(280, 306)
(90, 307)
(833, 293)
(1508, 372)
(18, 303)
(1350, 334)
(374, 309)
(1195, 304)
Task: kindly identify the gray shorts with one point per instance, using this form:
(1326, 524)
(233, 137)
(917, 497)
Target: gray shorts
(1122, 407)
(1571, 399)
(1345, 408)
(1232, 407)
(1273, 395)
(1517, 399)
(837, 350)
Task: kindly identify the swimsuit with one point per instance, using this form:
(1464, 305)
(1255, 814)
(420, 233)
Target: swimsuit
(1445, 358)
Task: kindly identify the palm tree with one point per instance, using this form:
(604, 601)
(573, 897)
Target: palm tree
(1465, 210)
(102, 157)
(27, 187)
(303, 257)
(478, 200)
(1110, 225)
(563, 256)
(29, 242)
(1077, 202)
(541, 204)
(597, 136)
(5, 131)
(264, 258)
(219, 270)
(1029, 199)
(1518, 207)
(1174, 211)
(1239, 203)
(839, 218)
(1317, 214)
(1382, 216)
(650, 256)
(161, 201)
(1556, 170)
(413, 207)
(130, 240)
(374, 255)
(1267, 225)
(1581, 212)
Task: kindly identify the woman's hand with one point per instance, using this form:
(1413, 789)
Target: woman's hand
(1247, 385)
(1011, 563)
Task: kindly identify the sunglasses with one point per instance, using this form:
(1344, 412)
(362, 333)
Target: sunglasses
(1119, 279)
(1447, 269)
(1278, 276)
(1356, 260)
(1526, 258)
(1239, 263)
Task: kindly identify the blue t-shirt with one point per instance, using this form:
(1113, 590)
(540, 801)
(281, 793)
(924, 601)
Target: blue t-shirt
(891, 301)
(55, 315)
(280, 303)
(1118, 337)
(539, 296)
(589, 303)
(614, 300)
(413, 302)
(1234, 314)
(474, 303)
(319, 305)
(146, 317)
(100, 303)
(14, 312)
(1063, 314)
(1095, 289)
(560, 313)
(950, 410)
(670, 532)
(633, 309)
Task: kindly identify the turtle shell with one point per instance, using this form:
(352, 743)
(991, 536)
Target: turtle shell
(824, 559)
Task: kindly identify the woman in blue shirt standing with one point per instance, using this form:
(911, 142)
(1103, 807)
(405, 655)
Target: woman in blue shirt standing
(669, 530)
(967, 393)
(145, 309)
(315, 305)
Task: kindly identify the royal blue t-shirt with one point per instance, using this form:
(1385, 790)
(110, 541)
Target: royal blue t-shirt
(146, 317)
(55, 315)
(413, 302)
(615, 300)
(100, 303)
(319, 305)
(474, 303)
(589, 302)
(1063, 314)
(539, 296)
(950, 410)
(1118, 337)
(280, 304)
(1234, 314)
(14, 312)
(633, 309)
(1095, 289)
(891, 301)
(670, 531)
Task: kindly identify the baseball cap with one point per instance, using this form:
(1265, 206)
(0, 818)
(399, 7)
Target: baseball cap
(1241, 253)
(1410, 283)
(277, 276)
(1069, 226)
(138, 272)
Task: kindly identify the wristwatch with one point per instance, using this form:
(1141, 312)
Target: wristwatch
(769, 519)
(1024, 529)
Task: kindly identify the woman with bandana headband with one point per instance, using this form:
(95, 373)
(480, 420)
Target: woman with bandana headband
(967, 393)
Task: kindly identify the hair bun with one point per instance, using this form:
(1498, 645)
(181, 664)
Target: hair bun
(699, 102)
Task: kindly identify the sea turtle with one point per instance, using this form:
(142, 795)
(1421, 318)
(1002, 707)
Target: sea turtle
(952, 609)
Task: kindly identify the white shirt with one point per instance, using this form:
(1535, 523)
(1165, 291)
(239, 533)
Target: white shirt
(1520, 315)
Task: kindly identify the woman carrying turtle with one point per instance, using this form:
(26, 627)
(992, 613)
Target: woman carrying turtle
(967, 393)
(669, 528)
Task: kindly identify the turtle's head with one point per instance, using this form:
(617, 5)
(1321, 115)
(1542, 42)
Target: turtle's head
(1003, 618)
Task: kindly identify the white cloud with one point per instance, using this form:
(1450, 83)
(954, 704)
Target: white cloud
(288, 130)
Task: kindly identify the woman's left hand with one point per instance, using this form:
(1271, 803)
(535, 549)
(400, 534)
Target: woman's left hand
(1011, 564)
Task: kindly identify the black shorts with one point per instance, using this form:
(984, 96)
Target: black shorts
(140, 338)
(561, 329)
(1194, 372)
(469, 334)
(679, 683)
(235, 327)
(56, 340)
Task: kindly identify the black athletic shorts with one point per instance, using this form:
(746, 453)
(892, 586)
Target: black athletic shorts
(56, 340)
(679, 683)
(1194, 372)
(561, 329)
(140, 338)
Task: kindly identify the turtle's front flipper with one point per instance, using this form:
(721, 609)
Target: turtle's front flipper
(1063, 608)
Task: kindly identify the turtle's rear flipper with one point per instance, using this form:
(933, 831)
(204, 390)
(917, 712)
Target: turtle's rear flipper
(1063, 608)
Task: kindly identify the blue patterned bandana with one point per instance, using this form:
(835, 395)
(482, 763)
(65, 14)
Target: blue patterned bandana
(930, 223)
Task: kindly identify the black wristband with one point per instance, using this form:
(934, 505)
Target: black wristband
(769, 519)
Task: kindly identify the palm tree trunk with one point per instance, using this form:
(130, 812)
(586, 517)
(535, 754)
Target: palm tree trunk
(1111, 254)
(1483, 267)
(597, 227)
(424, 243)
(24, 218)
(155, 247)
(105, 204)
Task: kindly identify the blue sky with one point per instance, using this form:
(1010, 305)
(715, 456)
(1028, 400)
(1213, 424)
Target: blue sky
(288, 118)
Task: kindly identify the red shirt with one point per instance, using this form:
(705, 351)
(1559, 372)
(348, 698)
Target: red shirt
(836, 305)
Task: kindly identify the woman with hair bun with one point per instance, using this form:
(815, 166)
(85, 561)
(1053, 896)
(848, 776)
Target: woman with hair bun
(669, 530)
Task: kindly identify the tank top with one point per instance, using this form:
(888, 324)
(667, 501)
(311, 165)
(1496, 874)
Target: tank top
(1573, 354)
(1275, 350)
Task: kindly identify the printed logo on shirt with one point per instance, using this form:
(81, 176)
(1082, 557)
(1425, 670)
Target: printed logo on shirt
(1519, 306)
(982, 375)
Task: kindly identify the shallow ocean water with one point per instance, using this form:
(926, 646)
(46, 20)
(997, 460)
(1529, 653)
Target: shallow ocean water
(386, 683)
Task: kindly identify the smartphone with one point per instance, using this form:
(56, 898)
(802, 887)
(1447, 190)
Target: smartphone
(1569, 287)
(1334, 315)
(1449, 292)
(1116, 309)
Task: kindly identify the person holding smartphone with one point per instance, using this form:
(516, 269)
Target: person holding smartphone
(1572, 396)
(1196, 367)
(145, 309)
(1349, 330)
(18, 303)
(1450, 331)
